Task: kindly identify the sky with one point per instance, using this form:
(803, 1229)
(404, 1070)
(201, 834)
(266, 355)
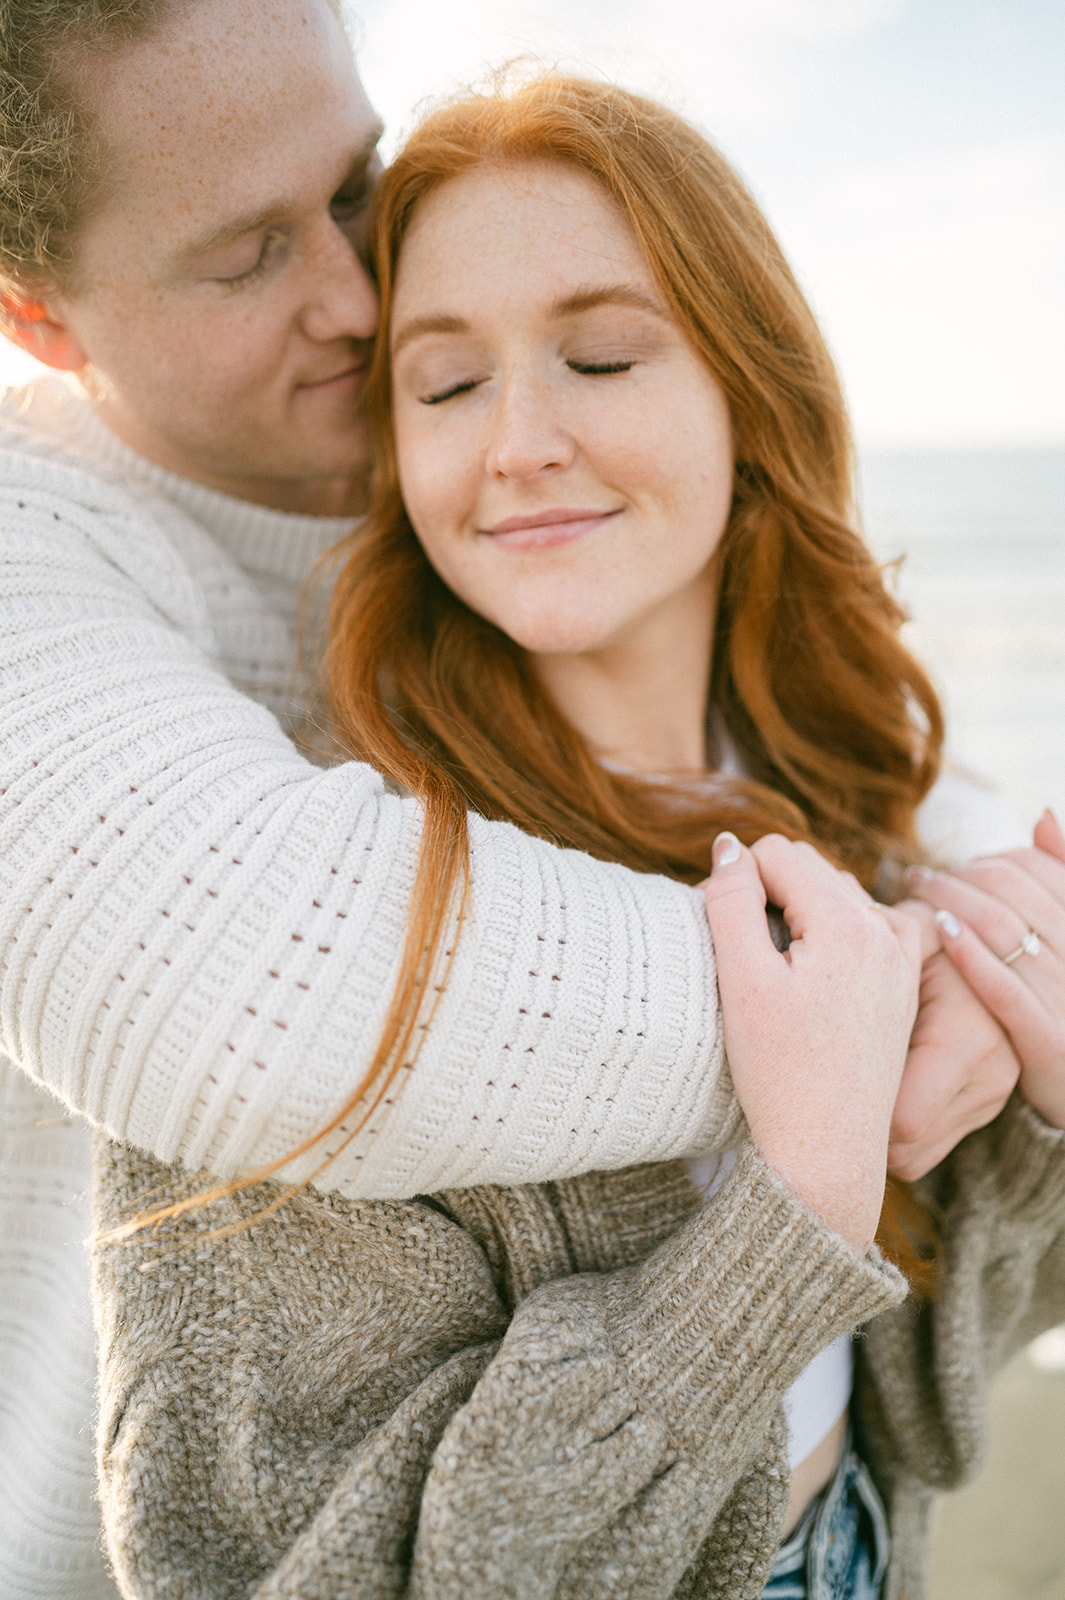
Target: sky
(909, 153)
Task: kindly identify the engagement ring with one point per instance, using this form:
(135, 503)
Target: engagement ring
(1029, 946)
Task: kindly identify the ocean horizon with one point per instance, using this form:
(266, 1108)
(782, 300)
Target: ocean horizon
(981, 536)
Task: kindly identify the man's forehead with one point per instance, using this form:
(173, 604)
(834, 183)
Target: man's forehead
(218, 118)
(226, 75)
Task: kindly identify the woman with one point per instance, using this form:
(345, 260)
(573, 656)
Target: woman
(609, 591)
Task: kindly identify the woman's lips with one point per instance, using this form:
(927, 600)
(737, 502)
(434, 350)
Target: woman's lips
(544, 529)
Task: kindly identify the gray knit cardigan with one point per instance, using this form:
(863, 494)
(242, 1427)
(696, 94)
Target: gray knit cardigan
(568, 1391)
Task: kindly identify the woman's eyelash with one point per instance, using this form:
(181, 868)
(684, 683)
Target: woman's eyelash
(449, 394)
(591, 369)
(595, 369)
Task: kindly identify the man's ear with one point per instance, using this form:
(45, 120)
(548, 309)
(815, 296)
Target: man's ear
(36, 327)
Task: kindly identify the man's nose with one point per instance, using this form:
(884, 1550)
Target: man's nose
(528, 434)
(342, 302)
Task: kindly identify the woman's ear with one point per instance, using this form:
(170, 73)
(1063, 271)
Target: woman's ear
(39, 329)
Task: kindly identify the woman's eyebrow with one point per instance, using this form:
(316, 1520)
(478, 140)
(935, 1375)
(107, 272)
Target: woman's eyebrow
(441, 323)
(570, 305)
(589, 296)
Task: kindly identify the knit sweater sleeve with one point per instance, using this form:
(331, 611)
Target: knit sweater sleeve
(999, 1201)
(199, 930)
(345, 1400)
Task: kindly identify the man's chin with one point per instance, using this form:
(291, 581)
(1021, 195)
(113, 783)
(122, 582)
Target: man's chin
(325, 484)
(335, 467)
(325, 490)
(340, 452)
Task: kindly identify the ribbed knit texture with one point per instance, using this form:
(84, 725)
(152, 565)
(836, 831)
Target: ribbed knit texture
(199, 930)
(569, 1392)
(49, 1519)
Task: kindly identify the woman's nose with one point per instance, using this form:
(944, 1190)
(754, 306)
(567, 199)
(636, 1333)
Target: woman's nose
(528, 434)
(342, 302)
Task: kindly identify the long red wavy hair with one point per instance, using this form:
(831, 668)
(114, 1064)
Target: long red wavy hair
(837, 726)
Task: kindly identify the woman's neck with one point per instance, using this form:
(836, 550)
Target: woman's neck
(640, 700)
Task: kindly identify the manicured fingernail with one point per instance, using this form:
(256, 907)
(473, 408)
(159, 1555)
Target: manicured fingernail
(726, 849)
(949, 924)
(917, 877)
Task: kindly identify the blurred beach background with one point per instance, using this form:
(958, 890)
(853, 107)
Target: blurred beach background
(911, 155)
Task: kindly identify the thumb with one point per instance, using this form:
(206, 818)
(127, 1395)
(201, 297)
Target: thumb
(735, 909)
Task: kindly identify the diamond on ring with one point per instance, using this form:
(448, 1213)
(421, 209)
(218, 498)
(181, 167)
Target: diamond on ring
(1029, 946)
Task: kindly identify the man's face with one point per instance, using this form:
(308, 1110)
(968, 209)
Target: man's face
(220, 298)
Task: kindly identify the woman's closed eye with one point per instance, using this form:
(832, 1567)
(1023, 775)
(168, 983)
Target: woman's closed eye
(438, 396)
(600, 369)
(584, 368)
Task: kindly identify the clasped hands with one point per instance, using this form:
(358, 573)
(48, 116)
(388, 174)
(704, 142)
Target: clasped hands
(886, 1035)
(984, 1026)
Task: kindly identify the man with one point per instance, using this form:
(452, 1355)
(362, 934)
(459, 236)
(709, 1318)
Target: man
(200, 927)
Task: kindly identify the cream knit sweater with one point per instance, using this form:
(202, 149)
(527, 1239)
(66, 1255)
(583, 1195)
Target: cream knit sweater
(198, 931)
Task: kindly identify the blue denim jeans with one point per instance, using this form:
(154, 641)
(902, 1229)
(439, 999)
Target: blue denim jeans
(841, 1547)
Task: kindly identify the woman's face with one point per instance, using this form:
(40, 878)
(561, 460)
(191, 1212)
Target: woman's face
(564, 455)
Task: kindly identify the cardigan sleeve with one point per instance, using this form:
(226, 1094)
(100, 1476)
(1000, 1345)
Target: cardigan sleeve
(343, 1401)
(199, 930)
(924, 1372)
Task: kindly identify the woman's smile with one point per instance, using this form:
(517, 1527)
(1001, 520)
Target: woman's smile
(544, 394)
(546, 530)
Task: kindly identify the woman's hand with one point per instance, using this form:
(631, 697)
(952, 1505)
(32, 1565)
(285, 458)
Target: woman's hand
(985, 911)
(816, 1038)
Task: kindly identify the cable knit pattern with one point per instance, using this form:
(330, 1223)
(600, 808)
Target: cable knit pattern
(569, 1392)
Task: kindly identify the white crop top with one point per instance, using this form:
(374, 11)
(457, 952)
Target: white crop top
(820, 1395)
